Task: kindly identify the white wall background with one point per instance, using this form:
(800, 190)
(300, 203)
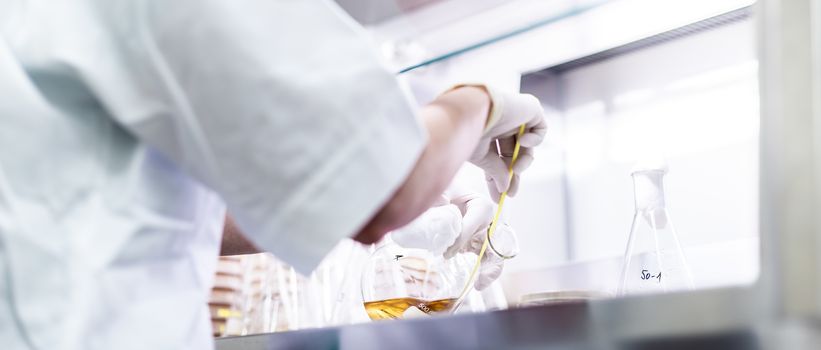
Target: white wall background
(693, 100)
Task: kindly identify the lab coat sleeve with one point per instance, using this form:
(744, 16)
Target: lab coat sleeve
(281, 106)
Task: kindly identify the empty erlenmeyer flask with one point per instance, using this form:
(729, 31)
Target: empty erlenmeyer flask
(654, 261)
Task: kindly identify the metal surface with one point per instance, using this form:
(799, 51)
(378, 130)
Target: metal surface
(630, 323)
(369, 12)
(790, 156)
(562, 326)
(522, 328)
(731, 17)
(507, 35)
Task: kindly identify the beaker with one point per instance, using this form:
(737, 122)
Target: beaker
(654, 261)
(399, 282)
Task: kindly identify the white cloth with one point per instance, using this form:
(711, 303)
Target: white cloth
(126, 125)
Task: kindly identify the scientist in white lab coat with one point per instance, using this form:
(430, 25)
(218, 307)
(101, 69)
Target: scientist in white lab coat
(128, 127)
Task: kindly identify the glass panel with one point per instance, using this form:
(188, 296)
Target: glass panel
(417, 33)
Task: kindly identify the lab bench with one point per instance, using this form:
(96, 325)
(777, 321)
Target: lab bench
(607, 324)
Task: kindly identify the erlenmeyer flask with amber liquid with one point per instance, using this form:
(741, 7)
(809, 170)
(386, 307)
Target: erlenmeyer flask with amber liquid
(654, 261)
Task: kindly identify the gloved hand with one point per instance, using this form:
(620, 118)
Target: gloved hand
(478, 214)
(458, 226)
(435, 230)
(495, 150)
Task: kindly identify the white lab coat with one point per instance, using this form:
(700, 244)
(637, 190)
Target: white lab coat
(127, 126)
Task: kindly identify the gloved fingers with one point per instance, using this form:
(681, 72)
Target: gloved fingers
(497, 167)
(476, 242)
(535, 133)
(523, 162)
(504, 240)
(490, 270)
(478, 213)
(447, 229)
(510, 110)
(461, 195)
(523, 107)
(442, 200)
(496, 170)
(413, 234)
(463, 242)
(514, 186)
(495, 195)
(525, 159)
(453, 249)
(435, 230)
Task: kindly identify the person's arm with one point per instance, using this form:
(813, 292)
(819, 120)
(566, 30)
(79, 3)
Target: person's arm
(234, 241)
(454, 122)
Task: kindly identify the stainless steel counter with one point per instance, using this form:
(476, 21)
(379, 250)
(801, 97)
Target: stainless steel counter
(566, 326)
(522, 328)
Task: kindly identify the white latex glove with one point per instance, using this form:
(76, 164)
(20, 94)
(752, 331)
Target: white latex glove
(458, 226)
(492, 264)
(435, 230)
(495, 150)
(478, 214)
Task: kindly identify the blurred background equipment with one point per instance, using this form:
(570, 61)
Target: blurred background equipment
(258, 293)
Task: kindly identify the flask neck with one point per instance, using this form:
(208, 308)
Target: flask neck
(648, 186)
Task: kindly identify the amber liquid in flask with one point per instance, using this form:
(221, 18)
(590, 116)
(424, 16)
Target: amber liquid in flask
(399, 282)
(395, 308)
(653, 261)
